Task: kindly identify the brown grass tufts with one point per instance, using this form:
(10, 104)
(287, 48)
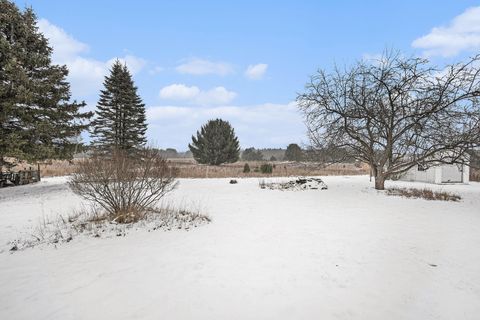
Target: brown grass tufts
(426, 194)
(188, 168)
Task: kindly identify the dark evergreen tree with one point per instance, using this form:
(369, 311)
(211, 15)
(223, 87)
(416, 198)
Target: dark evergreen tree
(251, 154)
(37, 119)
(215, 143)
(120, 121)
(293, 153)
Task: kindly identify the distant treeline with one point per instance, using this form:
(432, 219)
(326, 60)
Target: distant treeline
(267, 153)
(292, 153)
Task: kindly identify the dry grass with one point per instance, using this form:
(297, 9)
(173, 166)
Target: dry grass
(57, 168)
(426, 194)
(94, 222)
(188, 168)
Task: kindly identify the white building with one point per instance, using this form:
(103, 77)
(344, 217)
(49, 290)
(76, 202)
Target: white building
(443, 173)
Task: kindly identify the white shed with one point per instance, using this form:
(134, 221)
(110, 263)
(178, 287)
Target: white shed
(442, 173)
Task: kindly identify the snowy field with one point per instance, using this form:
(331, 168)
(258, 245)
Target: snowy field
(348, 252)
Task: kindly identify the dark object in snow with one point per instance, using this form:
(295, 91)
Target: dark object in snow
(432, 265)
(233, 181)
(14, 248)
(298, 184)
(19, 177)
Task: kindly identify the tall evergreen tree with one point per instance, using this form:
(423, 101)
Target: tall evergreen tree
(215, 143)
(120, 121)
(294, 152)
(37, 119)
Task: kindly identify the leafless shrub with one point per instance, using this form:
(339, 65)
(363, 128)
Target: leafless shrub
(426, 194)
(126, 187)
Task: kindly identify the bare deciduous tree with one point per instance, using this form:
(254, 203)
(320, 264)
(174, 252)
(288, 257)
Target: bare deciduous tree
(125, 187)
(395, 113)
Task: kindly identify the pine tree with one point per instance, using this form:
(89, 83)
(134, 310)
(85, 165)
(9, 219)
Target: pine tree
(293, 152)
(215, 143)
(251, 154)
(120, 121)
(37, 119)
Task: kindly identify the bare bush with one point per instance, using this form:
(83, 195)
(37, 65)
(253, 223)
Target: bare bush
(426, 194)
(126, 187)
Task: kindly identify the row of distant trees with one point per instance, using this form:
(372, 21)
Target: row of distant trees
(253, 154)
(292, 153)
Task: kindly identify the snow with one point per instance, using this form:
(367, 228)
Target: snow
(349, 252)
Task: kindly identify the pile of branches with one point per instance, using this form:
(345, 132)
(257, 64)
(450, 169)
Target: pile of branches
(296, 185)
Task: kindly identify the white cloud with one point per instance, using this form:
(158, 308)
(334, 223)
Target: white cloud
(193, 95)
(264, 125)
(85, 74)
(179, 92)
(198, 66)
(66, 47)
(257, 71)
(217, 95)
(462, 34)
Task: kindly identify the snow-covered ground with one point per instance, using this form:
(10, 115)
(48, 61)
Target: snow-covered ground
(348, 252)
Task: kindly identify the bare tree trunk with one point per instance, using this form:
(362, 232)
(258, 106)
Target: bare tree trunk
(380, 181)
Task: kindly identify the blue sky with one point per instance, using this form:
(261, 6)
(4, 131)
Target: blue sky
(243, 61)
